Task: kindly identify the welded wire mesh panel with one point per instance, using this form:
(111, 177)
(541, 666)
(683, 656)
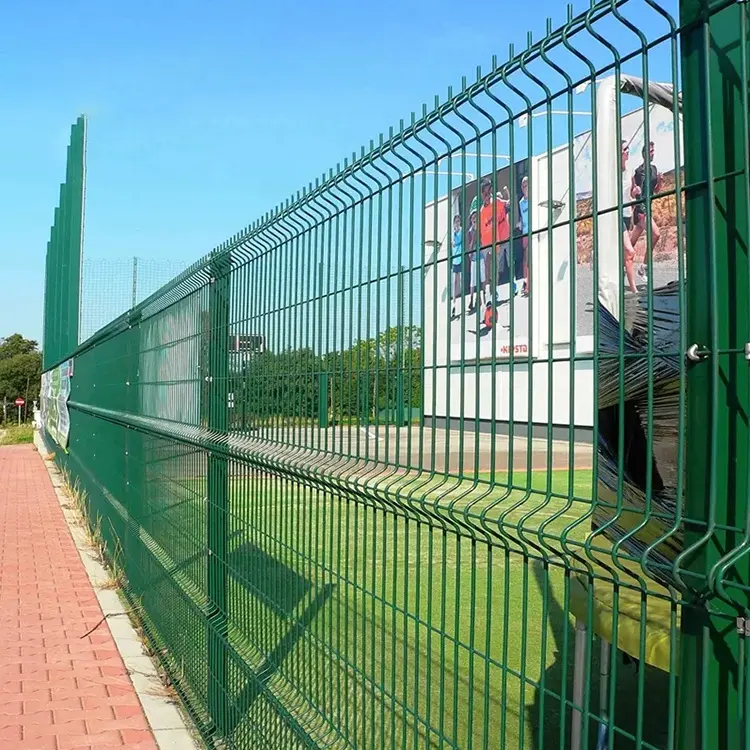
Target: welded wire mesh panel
(416, 460)
(111, 286)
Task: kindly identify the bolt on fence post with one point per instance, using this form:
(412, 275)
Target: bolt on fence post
(217, 504)
(715, 81)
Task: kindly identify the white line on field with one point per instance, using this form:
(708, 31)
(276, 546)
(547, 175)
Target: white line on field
(369, 433)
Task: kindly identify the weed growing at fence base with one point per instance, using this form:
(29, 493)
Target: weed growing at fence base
(17, 434)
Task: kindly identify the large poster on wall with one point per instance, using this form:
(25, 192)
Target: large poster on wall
(54, 402)
(631, 170)
(468, 313)
(485, 283)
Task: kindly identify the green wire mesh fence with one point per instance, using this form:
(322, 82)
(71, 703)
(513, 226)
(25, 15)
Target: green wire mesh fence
(62, 283)
(451, 449)
(111, 286)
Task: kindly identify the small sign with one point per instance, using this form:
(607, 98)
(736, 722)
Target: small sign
(247, 343)
(20, 402)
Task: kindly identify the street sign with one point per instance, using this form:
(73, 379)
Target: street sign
(247, 343)
(20, 402)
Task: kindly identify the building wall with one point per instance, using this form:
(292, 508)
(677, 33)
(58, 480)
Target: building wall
(561, 307)
(449, 393)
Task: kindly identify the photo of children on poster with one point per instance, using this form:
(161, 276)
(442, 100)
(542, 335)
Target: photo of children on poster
(491, 236)
(489, 264)
(646, 167)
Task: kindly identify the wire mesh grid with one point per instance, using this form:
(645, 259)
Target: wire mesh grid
(111, 286)
(355, 501)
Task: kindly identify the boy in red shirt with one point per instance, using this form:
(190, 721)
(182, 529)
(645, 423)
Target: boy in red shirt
(494, 228)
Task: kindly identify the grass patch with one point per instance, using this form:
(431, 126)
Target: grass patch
(17, 434)
(420, 614)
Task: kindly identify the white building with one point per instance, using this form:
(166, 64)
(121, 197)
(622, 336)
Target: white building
(551, 378)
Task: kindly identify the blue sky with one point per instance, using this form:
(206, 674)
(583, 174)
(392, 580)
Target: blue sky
(202, 116)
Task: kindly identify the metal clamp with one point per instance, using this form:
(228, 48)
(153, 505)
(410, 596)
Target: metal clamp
(743, 626)
(696, 353)
(747, 351)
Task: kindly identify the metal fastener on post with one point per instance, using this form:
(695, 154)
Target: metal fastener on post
(696, 353)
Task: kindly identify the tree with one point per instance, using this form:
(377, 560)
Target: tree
(374, 375)
(20, 370)
(271, 385)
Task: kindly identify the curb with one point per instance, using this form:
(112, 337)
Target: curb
(163, 715)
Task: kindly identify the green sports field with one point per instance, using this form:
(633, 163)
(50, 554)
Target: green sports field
(404, 615)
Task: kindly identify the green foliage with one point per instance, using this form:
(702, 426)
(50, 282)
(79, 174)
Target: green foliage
(363, 380)
(20, 371)
(13, 435)
(376, 373)
(279, 385)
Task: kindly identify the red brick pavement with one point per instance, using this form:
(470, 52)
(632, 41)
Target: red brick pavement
(57, 690)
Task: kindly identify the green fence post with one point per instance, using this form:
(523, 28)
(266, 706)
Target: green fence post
(62, 301)
(715, 83)
(134, 465)
(64, 271)
(49, 305)
(58, 255)
(244, 391)
(400, 351)
(323, 400)
(218, 488)
(76, 187)
(400, 409)
(363, 383)
(65, 260)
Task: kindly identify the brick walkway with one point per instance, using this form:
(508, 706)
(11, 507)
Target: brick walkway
(57, 690)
